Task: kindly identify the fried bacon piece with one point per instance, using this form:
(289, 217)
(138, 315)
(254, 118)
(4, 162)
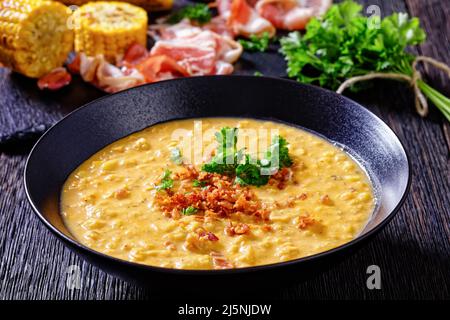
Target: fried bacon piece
(325, 199)
(121, 193)
(302, 196)
(281, 178)
(304, 221)
(236, 229)
(201, 240)
(219, 261)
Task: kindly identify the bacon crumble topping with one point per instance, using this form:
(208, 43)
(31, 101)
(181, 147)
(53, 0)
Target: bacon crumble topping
(219, 198)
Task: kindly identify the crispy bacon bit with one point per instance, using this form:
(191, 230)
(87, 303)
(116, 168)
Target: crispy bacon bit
(281, 178)
(239, 229)
(266, 227)
(302, 196)
(55, 80)
(204, 234)
(201, 241)
(326, 200)
(121, 193)
(190, 173)
(305, 221)
(262, 214)
(219, 261)
(219, 198)
(169, 245)
(199, 218)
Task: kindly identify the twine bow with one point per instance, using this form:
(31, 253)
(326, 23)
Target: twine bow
(420, 100)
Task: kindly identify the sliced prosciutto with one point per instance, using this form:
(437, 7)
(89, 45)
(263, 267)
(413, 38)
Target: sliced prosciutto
(199, 52)
(160, 67)
(107, 76)
(243, 18)
(55, 80)
(291, 14)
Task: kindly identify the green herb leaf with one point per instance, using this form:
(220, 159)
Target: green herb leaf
(175, 156)
(197, 12)
(227, 156)
(198, 183)
(189, 211)
(166, 181)
(279, 153)
(249, 173)
(256, 43)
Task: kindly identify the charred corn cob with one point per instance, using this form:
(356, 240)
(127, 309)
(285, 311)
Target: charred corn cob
(109, 28)
(34, 36)
(150, 5)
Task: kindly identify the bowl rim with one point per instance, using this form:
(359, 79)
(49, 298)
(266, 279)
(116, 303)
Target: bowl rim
(86, 250)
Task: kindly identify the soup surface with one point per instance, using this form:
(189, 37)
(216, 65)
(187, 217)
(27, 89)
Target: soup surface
(148, 197)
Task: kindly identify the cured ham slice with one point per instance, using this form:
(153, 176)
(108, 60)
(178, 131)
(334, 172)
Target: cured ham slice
(199, 52)
(243, 19)
(220, 26)
(291, 14)
(160, 67)
(55, 80)
(107, 76)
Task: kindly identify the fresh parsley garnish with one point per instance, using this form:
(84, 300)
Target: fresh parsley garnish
(175, 156)
(279, 147)
(189, 211)
(227, 156)
(256, 43)
(228, 160)
(197, 12)
(166, 181)
(249, 173)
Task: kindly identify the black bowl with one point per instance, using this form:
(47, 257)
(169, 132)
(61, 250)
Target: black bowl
(92, 127)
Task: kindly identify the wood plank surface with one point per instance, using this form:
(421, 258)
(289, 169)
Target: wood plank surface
(412, 251)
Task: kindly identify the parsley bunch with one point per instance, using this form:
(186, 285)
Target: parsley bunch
(344, 43)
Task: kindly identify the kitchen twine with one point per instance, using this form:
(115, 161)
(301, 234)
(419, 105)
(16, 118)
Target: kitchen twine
(420, 100)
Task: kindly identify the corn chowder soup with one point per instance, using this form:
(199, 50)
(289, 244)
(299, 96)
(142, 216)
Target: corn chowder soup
(205, 201)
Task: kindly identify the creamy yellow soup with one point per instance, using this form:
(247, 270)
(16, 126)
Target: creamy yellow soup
(114, 202)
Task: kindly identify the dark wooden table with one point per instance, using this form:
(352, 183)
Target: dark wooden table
(412, 251)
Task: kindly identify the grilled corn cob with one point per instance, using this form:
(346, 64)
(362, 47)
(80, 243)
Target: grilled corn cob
(34, 37)
(109, 28)
(150, 5)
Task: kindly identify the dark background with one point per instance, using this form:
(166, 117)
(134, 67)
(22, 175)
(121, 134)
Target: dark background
(412, 251)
